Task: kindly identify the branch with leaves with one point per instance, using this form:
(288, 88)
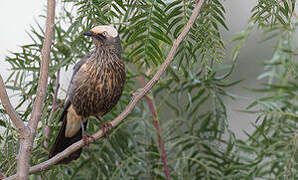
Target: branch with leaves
(139, 95)
(27, 133)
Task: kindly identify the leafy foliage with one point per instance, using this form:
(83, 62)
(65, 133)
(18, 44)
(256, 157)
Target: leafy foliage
(272, 147)
(188, 98)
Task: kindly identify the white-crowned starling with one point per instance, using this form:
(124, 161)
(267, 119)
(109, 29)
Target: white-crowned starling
(95, 88)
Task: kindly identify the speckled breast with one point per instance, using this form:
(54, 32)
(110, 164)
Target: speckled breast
(98, 88)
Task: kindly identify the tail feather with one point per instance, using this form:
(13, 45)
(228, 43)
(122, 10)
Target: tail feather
(62, 142)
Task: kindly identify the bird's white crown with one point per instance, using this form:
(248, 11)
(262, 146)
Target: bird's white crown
(111, 31)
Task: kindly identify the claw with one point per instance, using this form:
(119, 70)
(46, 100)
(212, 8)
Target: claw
(106, 128)
(87, 140)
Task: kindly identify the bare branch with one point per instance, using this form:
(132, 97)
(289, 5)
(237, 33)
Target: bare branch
(54, 108)
(158, 132)
(44, 70)
(16, 120)
(26, 140)
(46, 164)
(57, 85)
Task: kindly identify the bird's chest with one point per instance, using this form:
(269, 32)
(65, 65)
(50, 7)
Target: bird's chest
(98, 89)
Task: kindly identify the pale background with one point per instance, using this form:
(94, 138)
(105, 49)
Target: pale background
(16, 18)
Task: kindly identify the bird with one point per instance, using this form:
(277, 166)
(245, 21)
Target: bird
(95, 88)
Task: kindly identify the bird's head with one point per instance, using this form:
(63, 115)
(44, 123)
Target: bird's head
(105, 37)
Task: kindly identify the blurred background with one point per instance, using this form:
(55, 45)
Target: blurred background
(14, 25)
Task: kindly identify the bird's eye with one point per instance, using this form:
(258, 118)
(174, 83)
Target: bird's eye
(105, 33)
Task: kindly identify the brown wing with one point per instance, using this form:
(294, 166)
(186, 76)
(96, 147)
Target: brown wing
(70, 131)
(62, 142)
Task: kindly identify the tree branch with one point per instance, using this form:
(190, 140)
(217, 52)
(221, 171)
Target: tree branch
(158, 132)
(16, 120)
(26, 139)
(44, 70)
(46, 164)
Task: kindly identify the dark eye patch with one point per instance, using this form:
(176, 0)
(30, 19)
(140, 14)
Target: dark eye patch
(100, 36)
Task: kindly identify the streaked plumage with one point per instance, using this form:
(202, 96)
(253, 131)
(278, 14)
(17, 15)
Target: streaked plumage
(95, 88)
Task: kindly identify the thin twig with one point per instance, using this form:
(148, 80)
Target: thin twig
(47, 164)
(16, 120)
(54, 103)
(158, 132)
(26, 139)
(47, 130)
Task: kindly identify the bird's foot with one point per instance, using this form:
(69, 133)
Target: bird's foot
(106, 128)
(88, 139)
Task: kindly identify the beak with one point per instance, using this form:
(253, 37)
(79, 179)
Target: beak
(89, 33)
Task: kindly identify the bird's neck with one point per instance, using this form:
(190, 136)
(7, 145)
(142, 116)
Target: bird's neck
(114, 49)
(106, 55)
